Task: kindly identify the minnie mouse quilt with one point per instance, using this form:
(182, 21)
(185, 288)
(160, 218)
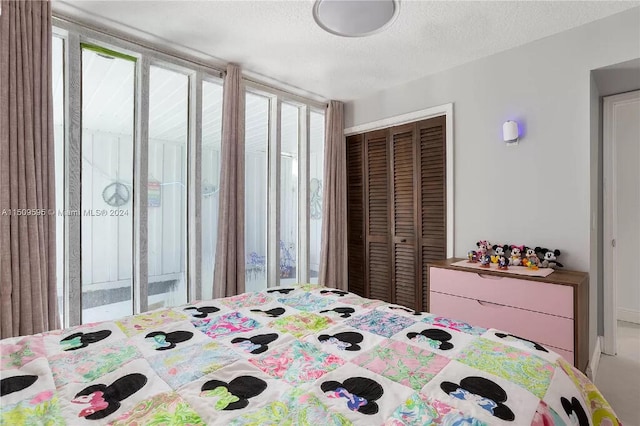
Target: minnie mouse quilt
(304, 355)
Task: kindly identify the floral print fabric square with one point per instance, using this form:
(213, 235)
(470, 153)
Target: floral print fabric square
(306, 302)
(301, 362)
(380, 323)
(20, 353)
(231, 323)
(454, 325)
(163, 409)
(529, 371)
(138, 323)
(246, 300)
(402, 363)
(302, 324)
(419, 410)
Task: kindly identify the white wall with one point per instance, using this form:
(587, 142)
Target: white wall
(536, 193)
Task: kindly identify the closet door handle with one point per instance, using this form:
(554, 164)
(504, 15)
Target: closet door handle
(489, 304)
(403, 240)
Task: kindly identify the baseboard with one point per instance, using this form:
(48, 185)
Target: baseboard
(592, 368)
(628, 315)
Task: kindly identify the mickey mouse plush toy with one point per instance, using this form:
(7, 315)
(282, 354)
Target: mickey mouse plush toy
(549, 258)
(531, 259)
(499, 251)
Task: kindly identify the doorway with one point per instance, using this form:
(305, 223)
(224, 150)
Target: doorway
(621, 190)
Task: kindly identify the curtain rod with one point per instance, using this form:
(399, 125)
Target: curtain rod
(61, 20)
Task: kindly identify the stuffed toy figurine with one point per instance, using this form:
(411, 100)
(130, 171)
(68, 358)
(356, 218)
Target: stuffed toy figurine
(549, 258)
(472, 256)
(499, 251)
(503, 263)
(485, 261)
(516, 255)
(531, 259)
(483, 248)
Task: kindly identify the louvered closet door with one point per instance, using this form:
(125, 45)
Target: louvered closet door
(403, 217)
(432, 196)
(355, 214)
(377, 215)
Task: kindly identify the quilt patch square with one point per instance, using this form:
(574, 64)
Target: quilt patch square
(187, 364)
(163, 409)
(419, 410)
(454, 325)
(529, 371)
(306, 302)
(301, 324)
(85, 366)
(296, 407)
(246, 300)
(402, 363)
(300, 362)
(138, 323)
(380, 323)
(443, 341)
(231, 323)
(15, 355)
(44, 409)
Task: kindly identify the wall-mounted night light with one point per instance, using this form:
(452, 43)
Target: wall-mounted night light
(510, 132)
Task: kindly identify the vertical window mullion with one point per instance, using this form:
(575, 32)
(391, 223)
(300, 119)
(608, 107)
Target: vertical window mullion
(72, 173)
(273, 236)
(194, 189)
(303, 195)
(140, 188)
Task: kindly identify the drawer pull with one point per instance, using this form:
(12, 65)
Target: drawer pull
(481, 303)
(489, 277)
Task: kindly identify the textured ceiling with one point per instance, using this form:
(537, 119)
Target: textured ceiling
(280, 39)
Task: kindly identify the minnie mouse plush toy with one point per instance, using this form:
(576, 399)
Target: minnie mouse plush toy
(516, 255)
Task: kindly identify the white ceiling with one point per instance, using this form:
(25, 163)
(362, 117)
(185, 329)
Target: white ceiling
(280, 40)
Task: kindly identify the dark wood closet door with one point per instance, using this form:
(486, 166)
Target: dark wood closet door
(377, 215)
(355, 214)
(403, 215)
(432, 194)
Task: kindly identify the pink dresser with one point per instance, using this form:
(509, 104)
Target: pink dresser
(553, 311)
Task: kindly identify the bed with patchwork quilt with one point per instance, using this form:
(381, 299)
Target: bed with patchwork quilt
(303, 355)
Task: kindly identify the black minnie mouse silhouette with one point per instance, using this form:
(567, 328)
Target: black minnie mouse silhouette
(360, 393)
(435, 334)
(235, 394)
(527, 342)
(273, 313)
(400, 308)
(347, 341)
(16, 384)
(202, 312)
(82, 340)
(256, 344)
(483, 392)
(281, 290)
(165, 341)
(104, 400)
(575, 411)
(338, 292)
(345, 312)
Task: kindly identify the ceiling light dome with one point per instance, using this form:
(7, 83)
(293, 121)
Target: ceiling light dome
(355, 18)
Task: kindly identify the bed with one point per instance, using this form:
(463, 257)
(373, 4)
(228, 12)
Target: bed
(302, 355)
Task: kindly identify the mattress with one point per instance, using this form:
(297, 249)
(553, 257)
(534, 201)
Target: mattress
(302, 355)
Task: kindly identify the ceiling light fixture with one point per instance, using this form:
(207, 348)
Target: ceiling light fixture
(355, 18)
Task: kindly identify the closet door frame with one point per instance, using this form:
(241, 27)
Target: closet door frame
(441, 110)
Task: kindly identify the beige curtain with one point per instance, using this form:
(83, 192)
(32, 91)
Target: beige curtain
(333, 253)
(229, 268)
(27, 242)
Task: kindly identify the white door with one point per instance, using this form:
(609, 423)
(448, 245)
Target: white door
(622, 212)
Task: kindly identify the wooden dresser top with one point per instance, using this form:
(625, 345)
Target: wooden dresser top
(561, 276)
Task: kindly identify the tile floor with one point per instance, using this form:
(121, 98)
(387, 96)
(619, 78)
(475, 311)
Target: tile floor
(618, 377)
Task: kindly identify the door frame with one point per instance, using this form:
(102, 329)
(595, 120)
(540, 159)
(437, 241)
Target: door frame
(436, 111)
(610, 210)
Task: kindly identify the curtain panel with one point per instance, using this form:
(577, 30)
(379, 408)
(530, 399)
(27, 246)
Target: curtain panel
(27, 185)
(229, 274)
(333, 252)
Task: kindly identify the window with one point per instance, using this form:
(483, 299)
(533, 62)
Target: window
(256, 185)
(316, 167)
(108, 79)
(140, 221)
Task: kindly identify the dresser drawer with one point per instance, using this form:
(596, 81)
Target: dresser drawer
(542, 328)
(526, 294)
